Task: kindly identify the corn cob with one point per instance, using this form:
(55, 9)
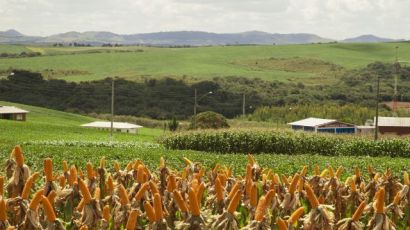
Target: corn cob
(219, 190)
(3, 213)
(28, 185)
(359, 211)
(311, 196)
(150, 212)
(48, 169)
(73, 176)
(123, 194)
(18, 155)
(36, 200)
(117, 166)
(48, 209)
(339, 172)
(106, 213)
(51, 197)
(261, 209)
(281, 224)
(180, 202)
(296, 215)
(90, 171)
(140, 174)
(84, 191)
(254, 195)
(294, 183)
(158, 207)
(193, 203)
(153, 187)
(172, 184)
(97, 193)
(62, 180)
(200, 192)
(80, 205)
(380, 201)
(132, 220)
(141, 191)
(233, 204)
(233, 191)
(110, 184)
(65, 167)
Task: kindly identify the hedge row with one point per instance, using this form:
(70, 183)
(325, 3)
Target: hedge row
(263, 141)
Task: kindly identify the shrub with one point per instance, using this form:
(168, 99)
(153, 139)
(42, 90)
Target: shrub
(173, 124)
(209, 120)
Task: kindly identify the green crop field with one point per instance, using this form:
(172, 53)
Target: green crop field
(49, 133)
(311, 62)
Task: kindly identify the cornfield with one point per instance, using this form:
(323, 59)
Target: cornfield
(264, 141)
(194, 197)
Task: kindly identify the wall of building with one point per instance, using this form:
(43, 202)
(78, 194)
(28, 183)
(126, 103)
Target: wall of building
(394, 130)
(14, 116)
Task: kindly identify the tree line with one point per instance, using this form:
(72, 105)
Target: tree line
(165, 98)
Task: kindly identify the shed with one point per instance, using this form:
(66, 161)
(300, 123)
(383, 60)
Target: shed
(365, 129)
(117, 126)
(320, 125)
(394, 125)
(12, 113)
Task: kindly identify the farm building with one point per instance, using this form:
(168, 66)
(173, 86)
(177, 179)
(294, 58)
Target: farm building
(394, 125)
(117, 126)
(320, 125)
(12, 113)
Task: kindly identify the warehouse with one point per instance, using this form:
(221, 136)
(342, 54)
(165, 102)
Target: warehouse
(320, 125)
(12, 113)
(394, 125)
(117, 126)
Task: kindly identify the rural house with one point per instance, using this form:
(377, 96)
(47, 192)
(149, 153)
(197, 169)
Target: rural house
(394, 125)
(12, 113)
(117, 126)
(320, 125)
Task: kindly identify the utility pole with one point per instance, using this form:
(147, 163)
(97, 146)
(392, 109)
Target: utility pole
(243, 105)
(376, 128)
(195, 104)
(112, 110)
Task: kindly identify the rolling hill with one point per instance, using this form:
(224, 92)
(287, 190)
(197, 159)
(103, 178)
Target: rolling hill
(177, 38)
(51, 125)
(369, 38)
(268, 62)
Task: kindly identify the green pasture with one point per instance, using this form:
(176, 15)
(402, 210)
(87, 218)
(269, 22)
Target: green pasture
(267, 62)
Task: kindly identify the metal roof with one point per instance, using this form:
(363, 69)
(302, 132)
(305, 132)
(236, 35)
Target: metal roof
(107, 124)
(11, 109)
(312, 122)
(393, 121)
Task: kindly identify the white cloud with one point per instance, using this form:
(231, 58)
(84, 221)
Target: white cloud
(328, 18)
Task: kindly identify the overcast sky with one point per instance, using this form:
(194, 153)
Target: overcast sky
(328, 18)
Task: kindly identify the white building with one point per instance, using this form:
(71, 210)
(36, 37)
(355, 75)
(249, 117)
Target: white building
(117, 126)
(320, 125)
(12, 113)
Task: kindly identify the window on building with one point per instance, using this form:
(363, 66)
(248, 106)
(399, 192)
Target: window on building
(19, 117)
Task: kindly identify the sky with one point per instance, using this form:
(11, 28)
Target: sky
(336, 19)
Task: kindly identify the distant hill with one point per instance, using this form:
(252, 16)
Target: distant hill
(370, 38)
(13, 36)
(177, 38)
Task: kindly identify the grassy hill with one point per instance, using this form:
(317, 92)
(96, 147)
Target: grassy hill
(51, 125)
(277, 62)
